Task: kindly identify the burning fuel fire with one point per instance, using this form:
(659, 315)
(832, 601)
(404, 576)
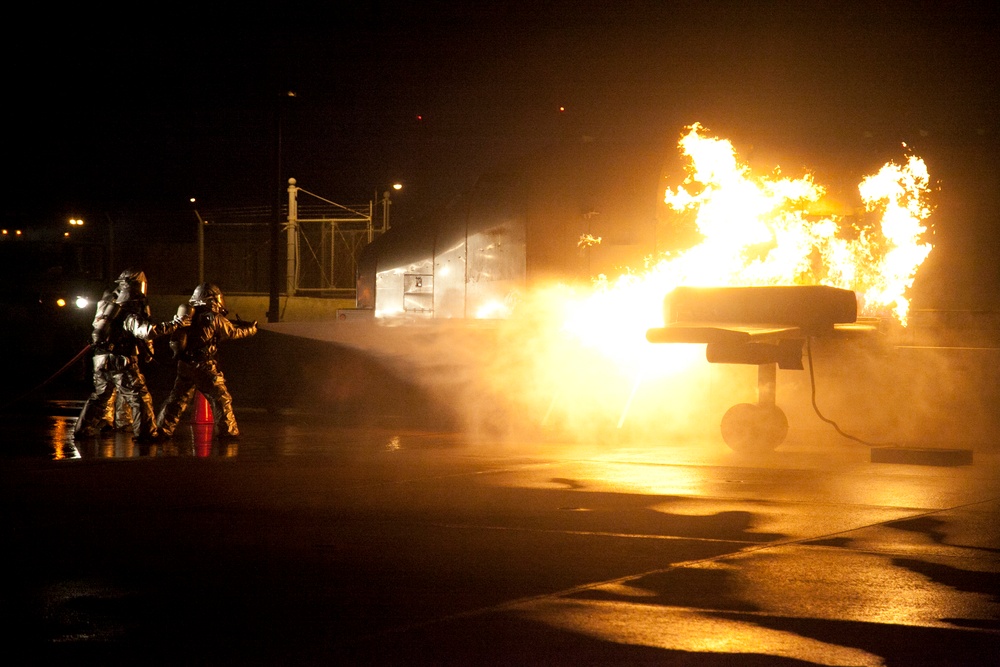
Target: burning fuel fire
(754, 230)
(761, 231)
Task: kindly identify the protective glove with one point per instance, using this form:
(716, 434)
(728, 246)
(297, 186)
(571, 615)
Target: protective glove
(183, 316)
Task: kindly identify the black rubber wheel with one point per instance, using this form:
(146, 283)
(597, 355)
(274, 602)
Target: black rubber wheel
(754, 429)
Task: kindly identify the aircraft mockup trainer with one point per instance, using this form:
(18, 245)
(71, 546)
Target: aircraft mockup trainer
(762, 326)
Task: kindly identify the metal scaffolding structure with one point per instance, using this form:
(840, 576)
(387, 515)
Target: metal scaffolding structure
(318, 252)
(324, 240)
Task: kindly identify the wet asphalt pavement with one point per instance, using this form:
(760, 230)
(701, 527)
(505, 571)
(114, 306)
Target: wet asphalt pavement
(312, 543)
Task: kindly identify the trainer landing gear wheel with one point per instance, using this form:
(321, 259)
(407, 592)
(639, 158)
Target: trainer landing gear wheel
(749, 428)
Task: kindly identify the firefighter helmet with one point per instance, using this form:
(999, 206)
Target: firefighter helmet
(208, 294)
(131, 285)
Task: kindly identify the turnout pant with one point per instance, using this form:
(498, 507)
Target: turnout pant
(203, 376)
(117, 373)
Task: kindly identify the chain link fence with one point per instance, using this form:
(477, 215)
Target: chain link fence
(232, 248)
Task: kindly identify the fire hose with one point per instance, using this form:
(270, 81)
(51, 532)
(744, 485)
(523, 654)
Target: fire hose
(79, 355)
(69, 364)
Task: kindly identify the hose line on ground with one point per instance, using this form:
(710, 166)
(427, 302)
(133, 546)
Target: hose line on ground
(79, 355)
(812, 382)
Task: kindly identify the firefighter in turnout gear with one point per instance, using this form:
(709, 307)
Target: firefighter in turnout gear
(122, 335)
(196, 349)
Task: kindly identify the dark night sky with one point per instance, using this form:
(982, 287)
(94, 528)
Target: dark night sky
(110, 110)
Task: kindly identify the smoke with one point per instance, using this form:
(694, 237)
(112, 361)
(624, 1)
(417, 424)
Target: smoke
(528, 380)
(883, 390)
(528, 377)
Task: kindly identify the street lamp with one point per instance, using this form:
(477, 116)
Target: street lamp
(73, 222)
(78, 222)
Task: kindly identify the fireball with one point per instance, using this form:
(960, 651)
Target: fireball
(759, 231)
(589, 354)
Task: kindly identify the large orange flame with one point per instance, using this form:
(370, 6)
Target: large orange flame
(760, 231)
(753, 231)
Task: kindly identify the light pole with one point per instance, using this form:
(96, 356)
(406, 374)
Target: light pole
(386, 203)
(110, 263)
(201, 244)
(292, 240)
(73, 222)
(273, 312)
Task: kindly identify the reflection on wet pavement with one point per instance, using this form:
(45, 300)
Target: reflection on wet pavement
(386, 545)
(51, 437)
(193, 440)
